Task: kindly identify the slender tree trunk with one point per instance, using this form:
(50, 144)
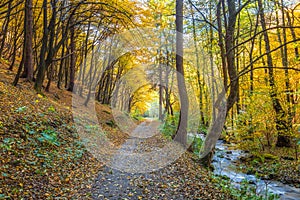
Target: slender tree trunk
(17, 77)
(213, 86)
(73, 56)
(285, 64)
(230, 41)
(15, 47)
(221, 45)
(290, 24)
(5, 27)
(251, 89)
(66, 70)
(160, 87)
(251, 56)
(90, 84)
(42, 64)
(50, 77)
(61, 67)
(238, 62)
(200, 86)
(51, 51)
(181, 136)
(28, 35)
(281, 124)
(83, 68)
(167, 95)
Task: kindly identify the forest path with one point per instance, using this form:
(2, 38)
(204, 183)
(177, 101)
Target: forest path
(136, 151)
(183, 179)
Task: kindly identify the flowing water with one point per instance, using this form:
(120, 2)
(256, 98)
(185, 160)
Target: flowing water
(224, 164)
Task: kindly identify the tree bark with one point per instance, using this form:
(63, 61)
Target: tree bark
(28, 34)
(281, 124)
(5, 27)
(181, 135)
(200, 85)
(42, 64)
(232, 98)
(73, 56)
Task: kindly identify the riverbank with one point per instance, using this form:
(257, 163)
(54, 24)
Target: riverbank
(232, 162)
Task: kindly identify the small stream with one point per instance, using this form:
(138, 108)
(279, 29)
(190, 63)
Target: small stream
(224, 164)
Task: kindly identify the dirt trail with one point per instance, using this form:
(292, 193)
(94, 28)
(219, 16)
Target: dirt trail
(182, 179)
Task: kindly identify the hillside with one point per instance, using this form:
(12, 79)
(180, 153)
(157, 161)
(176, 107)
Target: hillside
(42, 155)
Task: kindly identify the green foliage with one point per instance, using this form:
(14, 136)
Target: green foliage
(51, 109)
(137, 115)
(169, 127)
(247, 191)
(7, 143)
(196, 145)
(21, 109)
(49, 137)
(75, 152)
(202, 129)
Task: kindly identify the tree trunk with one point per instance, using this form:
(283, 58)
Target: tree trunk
(160, 87)
(5, 27)
(42, 64)
(181, 135)
(15, 47)
(232, 98)
(290, 24)
(61, 67)
(28, 34)
(73, 56)
(17, 77)
(200, 86)
(281, 124)
(221, 45)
